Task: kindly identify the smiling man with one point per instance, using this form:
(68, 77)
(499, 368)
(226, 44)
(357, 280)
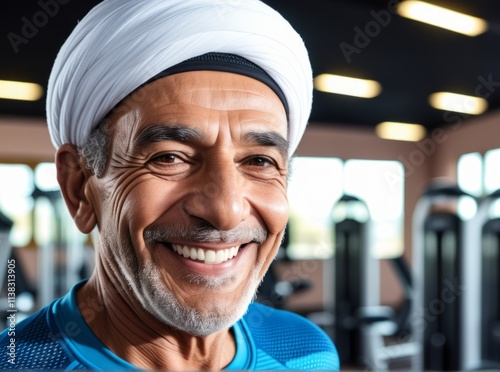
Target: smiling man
(174, 122)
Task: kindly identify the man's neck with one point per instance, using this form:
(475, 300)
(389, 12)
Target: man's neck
(134, 335)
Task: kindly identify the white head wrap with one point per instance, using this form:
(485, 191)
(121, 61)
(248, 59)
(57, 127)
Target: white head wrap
(121, 44)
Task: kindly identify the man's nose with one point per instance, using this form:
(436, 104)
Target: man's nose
(220, 198)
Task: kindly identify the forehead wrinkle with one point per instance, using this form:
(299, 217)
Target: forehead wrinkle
(228, 95)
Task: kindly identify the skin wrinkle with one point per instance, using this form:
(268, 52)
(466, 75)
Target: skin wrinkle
(180, 133)
(110, 256)
(131, 319)
(133, 123)
(96, 156)
(122, 161)
(215, 195)
(204, 93)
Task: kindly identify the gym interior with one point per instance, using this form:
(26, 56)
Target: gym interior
(392, 245)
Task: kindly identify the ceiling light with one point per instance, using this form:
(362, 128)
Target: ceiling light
(20, 90)
(458, 103)
(442, 17)
(400, 131)
(347, 86)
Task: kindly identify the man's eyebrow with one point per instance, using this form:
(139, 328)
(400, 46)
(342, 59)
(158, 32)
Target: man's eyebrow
(273, 139)
(168, 132)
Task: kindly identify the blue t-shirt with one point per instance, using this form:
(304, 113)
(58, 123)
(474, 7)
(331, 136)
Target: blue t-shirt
(57, 337)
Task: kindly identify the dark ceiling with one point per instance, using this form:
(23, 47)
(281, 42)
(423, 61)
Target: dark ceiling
(410, 59)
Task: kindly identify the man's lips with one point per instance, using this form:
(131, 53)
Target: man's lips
(207, 256)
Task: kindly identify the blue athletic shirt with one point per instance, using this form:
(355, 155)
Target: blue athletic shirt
(57, 337)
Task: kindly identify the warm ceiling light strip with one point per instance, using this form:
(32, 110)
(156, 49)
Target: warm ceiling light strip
(458, 103)
(400, 131)
(442, 17)
(347, 86)
(20, 90)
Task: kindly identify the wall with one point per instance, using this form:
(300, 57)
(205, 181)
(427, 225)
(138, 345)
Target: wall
(474, 135)
(25, 140)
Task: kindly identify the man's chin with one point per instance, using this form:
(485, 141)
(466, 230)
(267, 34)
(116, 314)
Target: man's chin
(211, 282)
(203, 315)
(202, 321)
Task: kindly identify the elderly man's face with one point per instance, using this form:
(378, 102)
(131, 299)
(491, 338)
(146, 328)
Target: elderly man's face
(193, 204)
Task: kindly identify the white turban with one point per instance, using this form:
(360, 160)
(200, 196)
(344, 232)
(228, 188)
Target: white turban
(121, 44)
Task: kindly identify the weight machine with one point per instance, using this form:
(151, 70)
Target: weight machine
(361, 324)
(441, 315)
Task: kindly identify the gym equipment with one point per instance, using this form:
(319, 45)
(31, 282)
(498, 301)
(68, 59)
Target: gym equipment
(483, 320)
(395, 326)
(360, 322)
(439, 261)
(356, 276)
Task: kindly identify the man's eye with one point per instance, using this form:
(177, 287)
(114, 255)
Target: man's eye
(167, 158)
(260, 161)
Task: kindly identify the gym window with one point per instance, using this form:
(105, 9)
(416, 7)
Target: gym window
(30, 198)
(316, 184)
(470, 173)
(16, 202)
(478, 175)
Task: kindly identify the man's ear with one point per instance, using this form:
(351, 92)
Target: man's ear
(72, 176)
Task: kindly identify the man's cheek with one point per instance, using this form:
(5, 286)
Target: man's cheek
(277, 216)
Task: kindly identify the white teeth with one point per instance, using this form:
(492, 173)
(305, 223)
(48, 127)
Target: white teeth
(193, 253)
(201, 254)
(208, 256)
(219, 257)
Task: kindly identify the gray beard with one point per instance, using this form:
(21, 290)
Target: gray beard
(160, 302)
(152, 294)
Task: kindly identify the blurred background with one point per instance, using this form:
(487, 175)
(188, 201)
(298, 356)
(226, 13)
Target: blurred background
(393, 240)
